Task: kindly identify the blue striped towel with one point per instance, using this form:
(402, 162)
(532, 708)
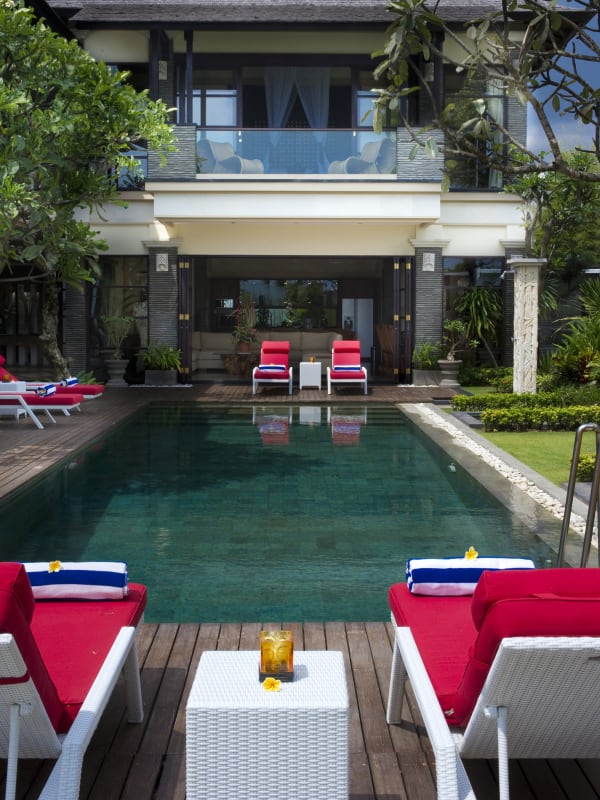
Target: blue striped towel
(454, 576)
(82, 580)
(69, 381)
(46, 390)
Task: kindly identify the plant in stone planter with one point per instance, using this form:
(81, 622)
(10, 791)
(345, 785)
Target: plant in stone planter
(425, 364)
(162, 363)
(162, 356)
(425, 355)
(244, 330)
(116, 330)
(456, 339)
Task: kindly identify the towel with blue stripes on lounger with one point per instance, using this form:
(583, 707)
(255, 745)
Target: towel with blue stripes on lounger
(69, 381)
(454, 576)
(82, 580)
(46, 390)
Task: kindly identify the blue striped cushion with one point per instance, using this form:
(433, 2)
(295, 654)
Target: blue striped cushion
(83, 580)
(454, 576)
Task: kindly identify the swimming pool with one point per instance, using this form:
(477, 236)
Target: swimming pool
(266, 513)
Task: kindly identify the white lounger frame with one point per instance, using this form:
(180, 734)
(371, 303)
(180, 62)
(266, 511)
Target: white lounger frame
(26, 731)
(540, 700)
(21, 406)
(256, 381)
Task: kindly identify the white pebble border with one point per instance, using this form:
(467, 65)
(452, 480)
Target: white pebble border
(551, 504)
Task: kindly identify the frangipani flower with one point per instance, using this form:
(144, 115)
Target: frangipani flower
(54, 566)
(471, 554)
(271, 685)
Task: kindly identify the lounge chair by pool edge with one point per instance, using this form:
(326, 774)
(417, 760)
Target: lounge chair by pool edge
(60, 661)
(523, 654)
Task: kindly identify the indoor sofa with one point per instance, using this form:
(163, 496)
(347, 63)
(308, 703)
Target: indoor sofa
(208, 348)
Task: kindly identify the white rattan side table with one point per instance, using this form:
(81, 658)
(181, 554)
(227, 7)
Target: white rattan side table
(310, 374)
(243, 742)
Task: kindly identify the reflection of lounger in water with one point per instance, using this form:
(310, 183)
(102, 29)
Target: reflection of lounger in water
(221, 157)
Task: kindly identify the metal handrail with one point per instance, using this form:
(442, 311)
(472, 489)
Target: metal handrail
(593, 506)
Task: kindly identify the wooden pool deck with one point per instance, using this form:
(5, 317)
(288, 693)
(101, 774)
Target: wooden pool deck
(147, 761)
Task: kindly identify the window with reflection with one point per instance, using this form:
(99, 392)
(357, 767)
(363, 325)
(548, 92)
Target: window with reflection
(282, 303)
(121, 291)
(461, 274)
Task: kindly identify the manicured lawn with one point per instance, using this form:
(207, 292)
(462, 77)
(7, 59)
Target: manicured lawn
(546, 452)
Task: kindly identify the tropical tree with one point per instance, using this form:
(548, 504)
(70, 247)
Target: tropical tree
(561, 213)
(481, 309)
(67, 124)
(551, 68)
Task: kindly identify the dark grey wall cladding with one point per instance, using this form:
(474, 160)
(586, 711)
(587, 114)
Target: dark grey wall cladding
(421, 167)
(429, 295)
(180, 164)
(75, 329)
(162, 299)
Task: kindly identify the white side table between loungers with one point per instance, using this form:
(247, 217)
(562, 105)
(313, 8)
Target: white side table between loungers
(246, 743)
(310, 374)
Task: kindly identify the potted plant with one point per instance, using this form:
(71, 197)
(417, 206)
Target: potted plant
(244, 330)
(162, 365)
(116, 330)
(455, 340)
(426, 370)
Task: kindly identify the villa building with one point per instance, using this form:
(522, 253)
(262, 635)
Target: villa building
(279, 187)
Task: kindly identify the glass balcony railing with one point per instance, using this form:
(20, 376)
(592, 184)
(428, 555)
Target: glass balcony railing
(298, 151)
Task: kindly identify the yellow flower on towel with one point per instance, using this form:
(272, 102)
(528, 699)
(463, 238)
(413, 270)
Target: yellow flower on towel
(271, 685)
(54, 566)
(471, 554)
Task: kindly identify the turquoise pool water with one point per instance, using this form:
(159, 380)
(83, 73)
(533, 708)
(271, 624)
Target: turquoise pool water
(263, 514)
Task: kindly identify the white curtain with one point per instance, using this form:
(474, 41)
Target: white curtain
(495, 106)
(313, 89)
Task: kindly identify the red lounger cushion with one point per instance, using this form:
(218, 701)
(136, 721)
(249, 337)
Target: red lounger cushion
(63, 642)
(74, 637)
(80, 388)
(347, 374)
(274, 375)
(443, 630)
(54, 400)
(551, 602)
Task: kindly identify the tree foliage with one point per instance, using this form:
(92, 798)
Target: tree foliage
(67, 124)
(549, 68)
(561, 214)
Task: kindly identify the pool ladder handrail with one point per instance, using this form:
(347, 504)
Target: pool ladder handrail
(593, 504)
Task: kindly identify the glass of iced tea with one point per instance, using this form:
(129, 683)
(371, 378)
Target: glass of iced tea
(277, 655)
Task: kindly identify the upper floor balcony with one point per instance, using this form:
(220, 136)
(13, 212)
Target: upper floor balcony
(357, 154)
(297, 151)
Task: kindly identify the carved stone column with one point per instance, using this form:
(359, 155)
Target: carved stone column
(525, 342)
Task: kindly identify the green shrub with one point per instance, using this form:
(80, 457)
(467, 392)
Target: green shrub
(568, 418)
(425, 355)
(585, 468)
(588, 395)
(162, 356)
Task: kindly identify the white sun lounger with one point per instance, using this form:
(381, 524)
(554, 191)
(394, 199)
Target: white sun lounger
(17, 405)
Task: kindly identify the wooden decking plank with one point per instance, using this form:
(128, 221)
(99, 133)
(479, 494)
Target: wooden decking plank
(573, 781)
(314, 636)
(387, 778)
(229, 636)
(372, 713)
(162, 717)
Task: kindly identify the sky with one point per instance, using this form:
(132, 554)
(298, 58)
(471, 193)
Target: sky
(571, 133)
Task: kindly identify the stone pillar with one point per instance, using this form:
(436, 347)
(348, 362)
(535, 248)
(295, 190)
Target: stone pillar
(526, 288)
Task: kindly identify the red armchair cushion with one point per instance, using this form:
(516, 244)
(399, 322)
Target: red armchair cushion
(74, 637)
